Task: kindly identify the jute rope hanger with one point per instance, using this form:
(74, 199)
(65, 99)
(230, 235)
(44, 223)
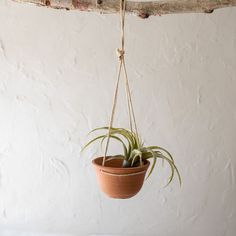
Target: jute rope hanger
(121, 57)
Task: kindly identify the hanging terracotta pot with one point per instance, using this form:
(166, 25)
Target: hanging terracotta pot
(118, 182)
(114, 177)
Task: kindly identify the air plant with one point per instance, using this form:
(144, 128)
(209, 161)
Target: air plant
(134, 151)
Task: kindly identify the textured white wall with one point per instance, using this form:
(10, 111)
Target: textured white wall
(57, 72)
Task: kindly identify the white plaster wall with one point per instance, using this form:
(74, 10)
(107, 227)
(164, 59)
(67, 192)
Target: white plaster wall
(57, 72)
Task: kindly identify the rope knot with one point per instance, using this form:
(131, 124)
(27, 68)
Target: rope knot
(120, 53)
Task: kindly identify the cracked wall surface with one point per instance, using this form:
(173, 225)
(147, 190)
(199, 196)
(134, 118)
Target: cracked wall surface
(57, 73)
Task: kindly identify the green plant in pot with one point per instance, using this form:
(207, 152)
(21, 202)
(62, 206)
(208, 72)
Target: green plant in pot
(122, 175)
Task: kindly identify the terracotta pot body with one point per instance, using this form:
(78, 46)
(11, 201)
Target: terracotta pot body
(118, 182)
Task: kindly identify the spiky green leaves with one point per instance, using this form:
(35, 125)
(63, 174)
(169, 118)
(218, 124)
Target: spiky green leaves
(135, 153)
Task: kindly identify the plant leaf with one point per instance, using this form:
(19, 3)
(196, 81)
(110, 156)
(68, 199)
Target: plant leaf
(171, 166)
(91, 141)
(153, 155)
(118, 139)
(162, 149)
(124, 133)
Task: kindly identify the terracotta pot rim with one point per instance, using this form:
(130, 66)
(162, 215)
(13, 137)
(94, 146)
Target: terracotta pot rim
(119, 168)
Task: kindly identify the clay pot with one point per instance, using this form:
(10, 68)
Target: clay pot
(118, 182)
